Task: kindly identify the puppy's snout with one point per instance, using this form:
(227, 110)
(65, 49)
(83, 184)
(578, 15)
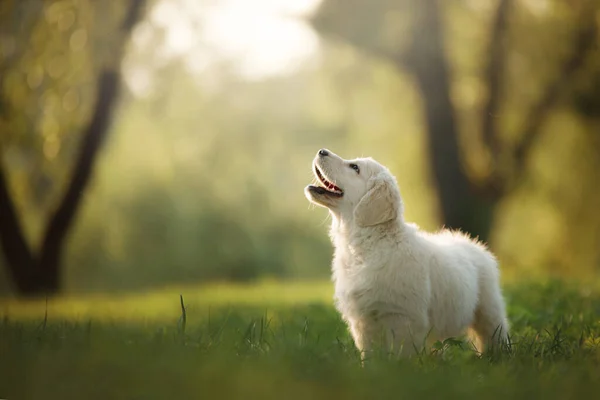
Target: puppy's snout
(323, 153)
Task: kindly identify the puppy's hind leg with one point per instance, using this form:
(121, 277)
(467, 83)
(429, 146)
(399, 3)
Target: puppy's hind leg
(490, 323)
(362, 340)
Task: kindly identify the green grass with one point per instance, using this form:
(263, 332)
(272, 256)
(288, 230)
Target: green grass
(282, 341)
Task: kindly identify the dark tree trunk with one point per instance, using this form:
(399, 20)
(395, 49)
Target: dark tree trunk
(461, 207)
(41, 274)
(465, 204)
(19, 260)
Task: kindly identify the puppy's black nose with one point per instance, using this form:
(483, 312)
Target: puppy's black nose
(323, 153)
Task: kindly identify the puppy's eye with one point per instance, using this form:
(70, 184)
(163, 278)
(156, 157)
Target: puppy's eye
(355, 167)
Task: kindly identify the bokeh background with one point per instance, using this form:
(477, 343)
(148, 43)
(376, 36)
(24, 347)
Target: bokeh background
(165, 142)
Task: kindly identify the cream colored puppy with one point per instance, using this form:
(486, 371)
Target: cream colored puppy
(396, 285)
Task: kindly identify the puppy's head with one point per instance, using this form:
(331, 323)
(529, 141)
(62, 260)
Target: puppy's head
(360, 190)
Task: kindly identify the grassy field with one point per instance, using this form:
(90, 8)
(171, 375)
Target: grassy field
(282, 341)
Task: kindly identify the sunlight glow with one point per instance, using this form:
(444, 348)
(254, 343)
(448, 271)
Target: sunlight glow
(260, 38)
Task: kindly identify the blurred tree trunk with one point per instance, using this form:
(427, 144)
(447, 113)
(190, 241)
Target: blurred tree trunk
(40, 273)
(461, 208)
(466, 203)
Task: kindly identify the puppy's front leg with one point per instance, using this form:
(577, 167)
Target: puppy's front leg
(398, 335)
(362, 341)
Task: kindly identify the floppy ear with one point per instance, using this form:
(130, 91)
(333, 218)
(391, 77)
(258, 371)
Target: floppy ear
(379, 205)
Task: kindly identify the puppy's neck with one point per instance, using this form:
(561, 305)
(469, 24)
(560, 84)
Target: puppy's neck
(346, 233)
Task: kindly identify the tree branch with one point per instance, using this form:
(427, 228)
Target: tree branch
(133, 15)
(108, 89)
(584, 43)
(371, 50)
(357, 23)
(494, 76)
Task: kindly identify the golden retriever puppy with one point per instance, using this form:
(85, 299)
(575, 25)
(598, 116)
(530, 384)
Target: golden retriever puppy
(396, 285)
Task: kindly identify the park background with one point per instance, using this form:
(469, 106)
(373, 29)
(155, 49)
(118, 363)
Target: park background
(157, 148)
(201, 120)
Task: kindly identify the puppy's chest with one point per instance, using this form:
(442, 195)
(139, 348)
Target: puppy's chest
(355, 262)
(357, 285)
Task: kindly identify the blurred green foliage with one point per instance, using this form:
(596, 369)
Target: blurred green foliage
(202, 176)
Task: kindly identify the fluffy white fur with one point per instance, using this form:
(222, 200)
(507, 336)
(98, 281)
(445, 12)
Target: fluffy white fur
(396, 285)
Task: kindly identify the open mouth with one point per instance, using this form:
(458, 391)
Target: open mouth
(327, 187)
